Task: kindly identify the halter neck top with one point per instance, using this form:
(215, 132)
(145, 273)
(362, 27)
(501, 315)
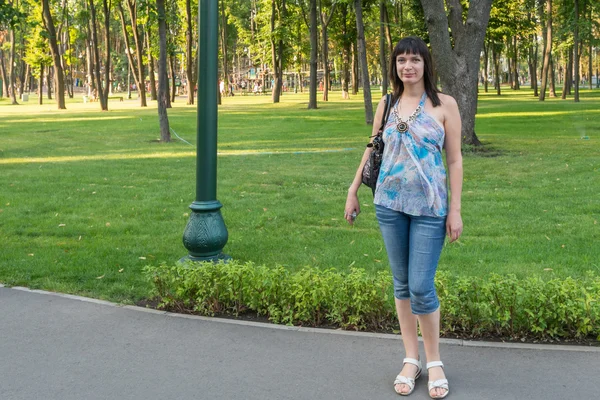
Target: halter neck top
(412, 178)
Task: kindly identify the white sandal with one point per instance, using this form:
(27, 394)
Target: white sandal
(405, 380)
(440, 383)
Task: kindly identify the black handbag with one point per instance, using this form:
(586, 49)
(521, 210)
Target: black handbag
(370, 172)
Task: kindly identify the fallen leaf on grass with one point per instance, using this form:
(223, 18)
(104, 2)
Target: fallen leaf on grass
(121, 270)
(376, 260)
(563, 246)
(547, 237)
(62, 225)
(30, 254)
(547, 269)
(142, 258)
(108, 224)
(100, 277)
(79, 237)
(351, 264)
(366, 255)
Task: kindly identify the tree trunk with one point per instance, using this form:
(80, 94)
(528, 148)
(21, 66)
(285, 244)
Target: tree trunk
(95, 46)
(3, 74)
(189, 65)
(58, 72)
(576, 46)
(107, 83)
(11, 68)
(486, 62)
(532, 63)
(151, 73)
(163, 95)
(173, 82)
(276, 57)
(325, 19)
(354, 74)
(552, 92)
(458, 66)
(345, 53)
(382, 46)
(386, 24)
(314, 46)
(516, 64)
(141, 80)
(41, 86)
(568, 74)
(224, 37)
(496, 61)
(49, 82)
(129, 52)
(547, 50)
(362, 59)
(590, 66)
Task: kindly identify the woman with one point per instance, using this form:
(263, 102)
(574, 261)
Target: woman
(411, 202)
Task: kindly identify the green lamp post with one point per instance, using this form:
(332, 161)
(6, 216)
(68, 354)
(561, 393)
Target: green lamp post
(205, 234)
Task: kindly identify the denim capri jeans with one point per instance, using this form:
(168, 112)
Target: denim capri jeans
(413, 245)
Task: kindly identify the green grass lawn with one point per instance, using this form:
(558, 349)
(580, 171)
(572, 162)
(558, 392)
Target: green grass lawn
(88, 198)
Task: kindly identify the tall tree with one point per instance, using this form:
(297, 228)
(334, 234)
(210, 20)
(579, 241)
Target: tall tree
(96, 49)
(58, 70)
(312, 90)
(383, 60)
(362, 60)
(139, 48)
(458, 65)
(189, 64)
(547, 47)
(163, 90)
(325, 18)
(576, 45)
(137, 76)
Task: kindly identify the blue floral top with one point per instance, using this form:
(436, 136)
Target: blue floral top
(412, 178)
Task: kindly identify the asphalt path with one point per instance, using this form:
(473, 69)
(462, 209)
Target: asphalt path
(56, 347)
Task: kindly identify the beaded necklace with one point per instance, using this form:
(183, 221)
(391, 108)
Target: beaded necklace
(401, 124)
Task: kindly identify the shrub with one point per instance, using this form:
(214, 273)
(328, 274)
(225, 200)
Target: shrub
(472, 307)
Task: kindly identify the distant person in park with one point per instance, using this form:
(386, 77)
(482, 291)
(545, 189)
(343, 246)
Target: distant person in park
(411, 202)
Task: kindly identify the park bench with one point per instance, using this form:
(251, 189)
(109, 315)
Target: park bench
(115, 97)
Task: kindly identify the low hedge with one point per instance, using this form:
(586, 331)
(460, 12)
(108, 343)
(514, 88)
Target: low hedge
(472, 307)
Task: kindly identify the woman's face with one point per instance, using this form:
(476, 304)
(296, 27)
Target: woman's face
(410, 67)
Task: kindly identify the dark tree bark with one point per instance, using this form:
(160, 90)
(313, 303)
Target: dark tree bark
(576, 46)
(58, 71)
(276, 54)
(3, 74)
(532, 60)
(386, 25)
(346, 49)
(362, 59)
(568, 74)
(132, 65)
(107, 85)
(458, 66)
(224, 37)
(173, 82)
(151, 78)
(95, 46)
(41, 86)
(312, 90)
(552, 92)
(163, 91)
(383, 60)
(486, 65)
(547, 49)
(325, 19)
(496, 62)
(141, 79)
(11, 68)
(49, 82)
(189, 64)
(516, 64)
(354, 70)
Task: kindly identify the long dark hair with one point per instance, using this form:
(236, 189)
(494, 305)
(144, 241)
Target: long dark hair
(413, 45)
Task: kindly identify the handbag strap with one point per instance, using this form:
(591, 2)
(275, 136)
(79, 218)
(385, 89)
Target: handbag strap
(388, 98)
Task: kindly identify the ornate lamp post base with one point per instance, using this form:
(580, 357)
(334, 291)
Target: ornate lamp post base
(205, 234)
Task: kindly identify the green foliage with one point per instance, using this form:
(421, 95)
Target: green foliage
(472, 307)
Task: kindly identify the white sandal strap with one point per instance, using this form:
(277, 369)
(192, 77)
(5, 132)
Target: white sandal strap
(434, 364)
(412, 361)
(404, 380)
(440, 383)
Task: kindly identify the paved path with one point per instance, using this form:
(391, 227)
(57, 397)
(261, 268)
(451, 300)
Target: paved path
(59, 348)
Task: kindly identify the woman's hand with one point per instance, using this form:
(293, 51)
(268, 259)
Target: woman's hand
(454, 225)
(352, 208)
